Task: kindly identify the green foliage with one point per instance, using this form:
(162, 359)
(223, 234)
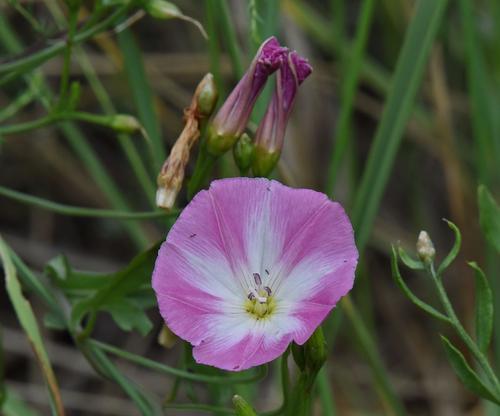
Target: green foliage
(29, 324)
(125, 294)
(489, 217)
(467, 375)
(454, 250)
(484, 308)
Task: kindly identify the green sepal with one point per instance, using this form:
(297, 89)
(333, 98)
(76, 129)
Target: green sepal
(409, 294)
(454, 250)
(408, 261)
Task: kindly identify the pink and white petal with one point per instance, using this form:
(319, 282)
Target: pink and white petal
(244, 206)
(320, 260)
(241, 342)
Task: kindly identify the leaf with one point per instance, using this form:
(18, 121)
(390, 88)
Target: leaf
(409, 294)
(489, 216)
(129, 316)
(484, 308)
(465, 373)
(29, 324)
(118, 291)
(409, 261)
(15, 407)
(454, 250)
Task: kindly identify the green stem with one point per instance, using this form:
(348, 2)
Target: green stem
(145, 362)
(73, 20)
(31, 60)
(81, 211)
(204, 165)
(14, 106)
(455, 322)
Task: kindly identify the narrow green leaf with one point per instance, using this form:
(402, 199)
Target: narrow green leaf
(398, 107)
(489, 216)
(409, 261)
(465, 373)
(143, 97)
(30, 326)
(454, 250)
(409, 294)
(484, 308)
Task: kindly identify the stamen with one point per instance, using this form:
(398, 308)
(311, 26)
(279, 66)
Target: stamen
(268, 290)
(258, 280)
(251, 296)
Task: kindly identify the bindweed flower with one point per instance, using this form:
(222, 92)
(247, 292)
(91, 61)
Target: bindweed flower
(250, 266)
(271, 131)
(232, 118)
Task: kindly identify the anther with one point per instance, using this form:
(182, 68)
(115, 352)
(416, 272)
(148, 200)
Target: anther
(251, 296)
(258, 280)
(268, 290)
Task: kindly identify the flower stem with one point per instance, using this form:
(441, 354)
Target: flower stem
(204, 165)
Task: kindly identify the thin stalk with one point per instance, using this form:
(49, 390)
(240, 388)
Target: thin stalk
(325, 393)
(202, 169)
(213, 44)
(73, 21)
(455, 322)
(14, 106)
(34, 59)
(82, 211)
(172, 371)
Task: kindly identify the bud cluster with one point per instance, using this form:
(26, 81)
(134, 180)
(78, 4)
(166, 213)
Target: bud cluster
(228, 126)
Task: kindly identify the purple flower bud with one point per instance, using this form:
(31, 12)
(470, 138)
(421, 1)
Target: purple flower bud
(271, 131)
(232, 118)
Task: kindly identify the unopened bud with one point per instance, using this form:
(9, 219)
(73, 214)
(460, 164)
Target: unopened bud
(243, 152)
(241, 407)
(125, 123)
(161, 9)
(264, 161)
(315, 351)
(207, 96)
(425, 248)
(166, 338)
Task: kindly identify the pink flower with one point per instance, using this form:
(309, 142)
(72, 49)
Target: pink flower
(232, 118)
(250, 266)
(271, 131)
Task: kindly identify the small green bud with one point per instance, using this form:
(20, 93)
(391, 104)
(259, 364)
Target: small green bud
(243, 152)
(125, 123)
(241, 407)
(425, 249)
(315, 351)
(264, 161)
(161, 9)
(207, 96)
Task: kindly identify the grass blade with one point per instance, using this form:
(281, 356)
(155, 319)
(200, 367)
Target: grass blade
(30, 326)
(407, 77)
(143, 97)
